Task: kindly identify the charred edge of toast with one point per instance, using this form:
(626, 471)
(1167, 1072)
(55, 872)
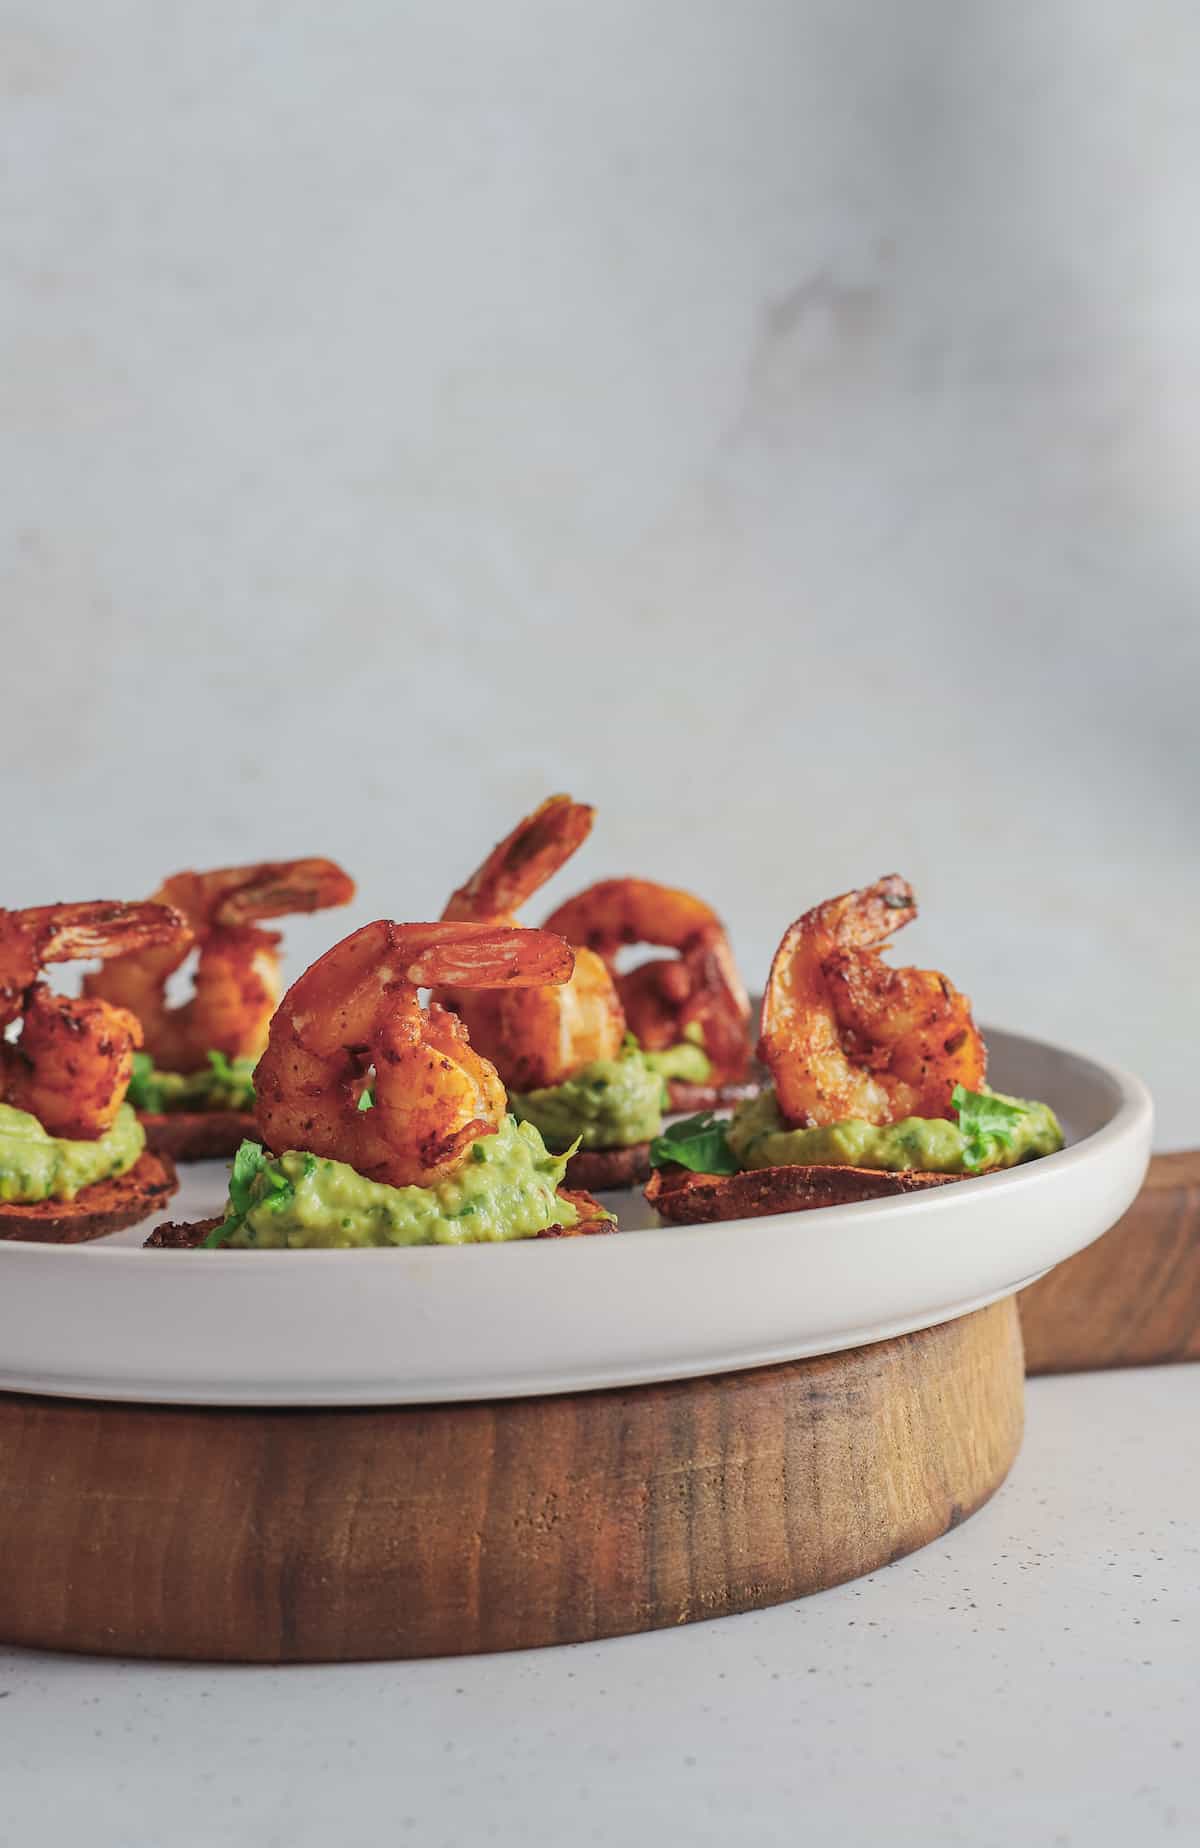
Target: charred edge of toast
(592, 1220)
(177, 1235)
(198, 1135)
(686, 1199)
(601, 1170)
(105, 1206)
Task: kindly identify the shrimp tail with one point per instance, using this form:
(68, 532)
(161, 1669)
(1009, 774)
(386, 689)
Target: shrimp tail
(522, 863)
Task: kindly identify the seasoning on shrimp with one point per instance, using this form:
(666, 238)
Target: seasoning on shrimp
(71, 1065)
(382, 1124)
(695, 995)
(879, 1082)
(357, 1010)
(844, 1035)
(236, 985)
(539, 1037)
(595, 1060)
(193, 1085)
(72, 1154)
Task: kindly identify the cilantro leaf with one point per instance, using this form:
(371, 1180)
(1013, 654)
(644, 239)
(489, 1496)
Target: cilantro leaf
(248, 1163)
(987, 1124)
(698, 1142)
(254, 1178)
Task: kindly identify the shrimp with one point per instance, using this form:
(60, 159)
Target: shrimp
(537, 1037)
(523, 862)
(356, 1010)
(699, 988)
(236, 986)
(71, 1065)
(844, 1035)
(545, 1035)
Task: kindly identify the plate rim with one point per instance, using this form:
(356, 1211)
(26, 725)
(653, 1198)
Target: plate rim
(406, 1335)
(1135, 1106)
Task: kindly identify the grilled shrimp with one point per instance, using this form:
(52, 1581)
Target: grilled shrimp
(236, 985)
(699, 987)
(539, 1036)
(70, 1066)
(844, 1035)
(357, 1011)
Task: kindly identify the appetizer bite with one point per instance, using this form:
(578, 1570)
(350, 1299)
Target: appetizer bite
(380, 1123)
(879, 1082)
(73, 1158)
(192, 1085)
(566, 1053)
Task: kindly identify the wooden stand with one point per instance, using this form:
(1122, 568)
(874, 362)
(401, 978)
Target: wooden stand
(1133, 1298)
(292, 1536)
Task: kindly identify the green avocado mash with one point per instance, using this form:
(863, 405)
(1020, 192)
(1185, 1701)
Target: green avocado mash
(687, 1061)
(34, 1165)
(224, 1084)
(609, 1104)
(506, 1189)
(759, 1139)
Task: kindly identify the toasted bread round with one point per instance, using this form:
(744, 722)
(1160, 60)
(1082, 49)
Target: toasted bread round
(182, 1237)
(105, 1206)
(686, 1199)
(199, 1135)
(684, 1098)
(601, 1170)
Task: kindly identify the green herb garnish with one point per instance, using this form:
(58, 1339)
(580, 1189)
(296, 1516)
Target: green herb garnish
(987, 1124)
(698, 1142)
(144, 1092)
(254, 1180)
(221, 1084)
(225, 1072)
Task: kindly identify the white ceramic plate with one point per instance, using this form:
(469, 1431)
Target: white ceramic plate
(112, 1321)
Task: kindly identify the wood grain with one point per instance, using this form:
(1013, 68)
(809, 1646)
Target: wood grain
(286, 1536)
(1133, 1298)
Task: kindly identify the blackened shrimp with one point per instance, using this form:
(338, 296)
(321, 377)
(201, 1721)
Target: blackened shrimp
(845, 1035)
(236, 986)
(539, 1037)
(354, 1018)
(667, 999)
(71, 1064)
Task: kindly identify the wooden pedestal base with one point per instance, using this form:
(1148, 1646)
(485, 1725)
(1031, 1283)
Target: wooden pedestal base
(290, 1536)
(1133, 1298)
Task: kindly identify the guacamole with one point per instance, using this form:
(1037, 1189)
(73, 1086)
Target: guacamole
(687, 1061)
(224, 1084)
(609, 1104)
(34, 1165)
(760, 1139)
(506, 1189)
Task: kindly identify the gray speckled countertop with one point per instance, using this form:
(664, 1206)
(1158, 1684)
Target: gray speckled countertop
(1032, 1678)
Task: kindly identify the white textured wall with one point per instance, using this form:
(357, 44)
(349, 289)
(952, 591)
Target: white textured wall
(775, 421)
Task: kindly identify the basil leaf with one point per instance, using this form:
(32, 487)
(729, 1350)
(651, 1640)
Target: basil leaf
(699, 1143)
(987, 1124)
